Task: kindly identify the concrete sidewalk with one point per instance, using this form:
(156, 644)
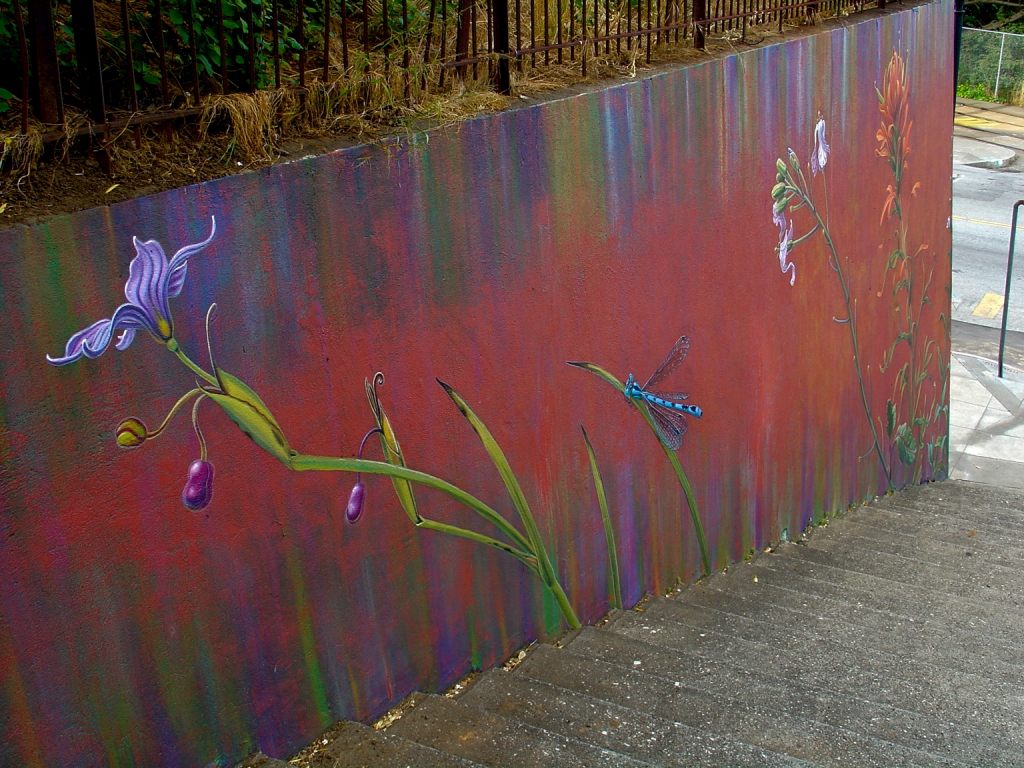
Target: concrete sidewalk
(986, 434)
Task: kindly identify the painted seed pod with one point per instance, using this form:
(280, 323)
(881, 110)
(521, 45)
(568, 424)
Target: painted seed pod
(198, 489)
(355, 502)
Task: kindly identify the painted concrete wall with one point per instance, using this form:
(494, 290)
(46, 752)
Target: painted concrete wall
(135, 632)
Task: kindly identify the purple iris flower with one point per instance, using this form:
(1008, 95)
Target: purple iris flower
(152, 282)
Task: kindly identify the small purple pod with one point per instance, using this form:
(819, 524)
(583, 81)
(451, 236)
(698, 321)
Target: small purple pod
(199, 487)
(355, 502)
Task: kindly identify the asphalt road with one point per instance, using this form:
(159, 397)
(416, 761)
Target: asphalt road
(983, 200)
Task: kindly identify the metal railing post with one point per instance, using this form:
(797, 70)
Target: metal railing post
(1006, 292)
(503, 79)
(999, 67)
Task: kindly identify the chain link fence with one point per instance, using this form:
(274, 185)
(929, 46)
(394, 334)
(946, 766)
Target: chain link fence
(992, 65)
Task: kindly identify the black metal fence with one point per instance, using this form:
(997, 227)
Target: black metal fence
(121, 64)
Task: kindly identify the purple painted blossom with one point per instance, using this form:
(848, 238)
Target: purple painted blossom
(355, 502)
(152, 282)
(785, 239)
(821, 149)
(198, 489)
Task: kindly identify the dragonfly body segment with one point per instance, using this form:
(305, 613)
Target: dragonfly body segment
(668, 415)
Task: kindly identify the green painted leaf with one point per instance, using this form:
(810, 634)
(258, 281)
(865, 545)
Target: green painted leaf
(890, 418)
(609, 531)
(250, 413)
(599, 371)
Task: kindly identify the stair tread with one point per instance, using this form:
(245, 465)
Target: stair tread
(490, 739)
(605, 724)
(699, 706)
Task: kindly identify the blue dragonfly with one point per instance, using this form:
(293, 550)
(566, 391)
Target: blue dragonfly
(668, 415)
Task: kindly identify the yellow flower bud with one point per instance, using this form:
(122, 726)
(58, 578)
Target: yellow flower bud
(131, 433)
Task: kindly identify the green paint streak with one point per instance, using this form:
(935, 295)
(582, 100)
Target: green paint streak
(307, 637)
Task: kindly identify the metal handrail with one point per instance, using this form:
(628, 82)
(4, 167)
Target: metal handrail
(1009, 275)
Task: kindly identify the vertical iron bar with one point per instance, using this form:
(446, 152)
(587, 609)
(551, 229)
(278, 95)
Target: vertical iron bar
(699, 8)
(327, 38)
(386, 44)
(130, 61)
(533, 32)
(277, 45)
(503, 73)
(473, 34)
(583, 48)
(657, 22)
(223, 47)
(252, 46)
(23, 50)
(46, 71)
(90, 72)
(597, 28)
(1009, 275)
(490, 39)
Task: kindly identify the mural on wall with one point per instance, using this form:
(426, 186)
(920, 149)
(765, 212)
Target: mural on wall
(178, 594)
(153, 280)
(916, 420)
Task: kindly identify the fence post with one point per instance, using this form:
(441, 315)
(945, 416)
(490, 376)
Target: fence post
(46, 76)
(90, 73)
(503, 77)
(698, 17)
(999, 67)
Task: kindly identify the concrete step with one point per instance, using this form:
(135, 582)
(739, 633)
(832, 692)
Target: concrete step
(791, 680)
(944, 567)
(934, 632)
(740, 605)
(601, 664)
(354, 745)
(610, 726)
(897, 573)
(892, 520)
(906, 539)
(819, 574)
(490, 739)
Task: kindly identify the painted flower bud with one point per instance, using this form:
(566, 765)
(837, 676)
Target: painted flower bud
(199, 487)
(131, 433)
(355, 502)
(778, 191)
(781, 166)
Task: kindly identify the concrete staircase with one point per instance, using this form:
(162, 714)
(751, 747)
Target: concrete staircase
(892, 637)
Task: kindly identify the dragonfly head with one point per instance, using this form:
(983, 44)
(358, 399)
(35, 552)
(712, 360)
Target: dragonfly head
(630, 389)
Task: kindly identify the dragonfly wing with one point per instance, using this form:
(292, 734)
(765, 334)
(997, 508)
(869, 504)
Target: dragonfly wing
(670, 395)
(670, 363)
(671, 425)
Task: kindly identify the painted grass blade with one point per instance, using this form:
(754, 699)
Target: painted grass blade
(673, 460)
(609, 532)
(515, 491)
(392, 450)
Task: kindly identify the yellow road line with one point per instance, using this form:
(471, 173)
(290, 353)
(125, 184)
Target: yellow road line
(986, 223)
(978, 122)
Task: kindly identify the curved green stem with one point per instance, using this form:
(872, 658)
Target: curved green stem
(305, 463)
(691, 502)
(208, 378)
(853, 334)
(525, 558)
